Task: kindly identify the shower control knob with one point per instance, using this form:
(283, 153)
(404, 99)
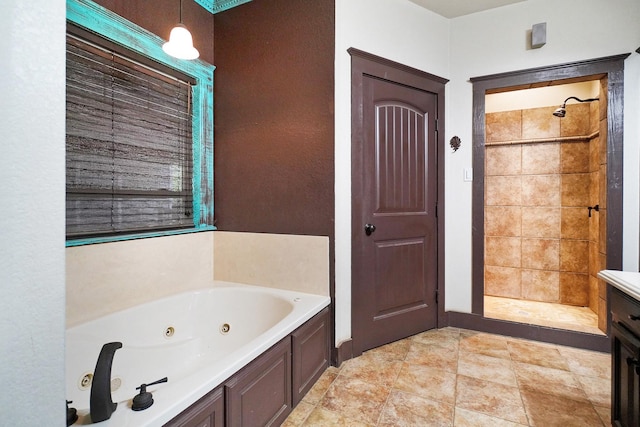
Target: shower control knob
(369, 228)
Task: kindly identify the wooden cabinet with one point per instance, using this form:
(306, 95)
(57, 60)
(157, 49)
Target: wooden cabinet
(310, 344)
(206, 412)
(625, 360)
(260, 394)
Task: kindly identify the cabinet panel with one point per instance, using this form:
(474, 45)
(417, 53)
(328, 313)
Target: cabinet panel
(626, 310)
(310, 354)
(260, 395)
(207, 412)
(625, 353)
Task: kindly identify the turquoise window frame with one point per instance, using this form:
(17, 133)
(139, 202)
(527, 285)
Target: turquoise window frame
(97, 19)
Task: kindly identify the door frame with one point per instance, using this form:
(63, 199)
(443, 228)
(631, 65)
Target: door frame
(366, 64)
(612, 68)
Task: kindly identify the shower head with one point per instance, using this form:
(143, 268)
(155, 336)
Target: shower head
(562, 110)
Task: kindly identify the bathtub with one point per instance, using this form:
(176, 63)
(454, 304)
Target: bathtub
(197, 339)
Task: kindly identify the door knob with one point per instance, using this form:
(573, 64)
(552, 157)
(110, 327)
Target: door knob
(369, 228)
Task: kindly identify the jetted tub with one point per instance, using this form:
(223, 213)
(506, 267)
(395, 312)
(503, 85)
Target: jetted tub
(197, 339)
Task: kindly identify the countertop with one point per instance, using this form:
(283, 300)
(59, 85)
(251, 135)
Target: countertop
(627, 281)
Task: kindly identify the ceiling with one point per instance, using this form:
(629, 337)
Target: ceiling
(455, 8)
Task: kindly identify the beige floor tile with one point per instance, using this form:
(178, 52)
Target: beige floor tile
(372, 369)
(466, 418)
(431, 383)
(537, 354)
(487, 368)
(482, 343)
(299, 414)
(321, 417)
(490, 398)
(395, 351)
(321, 386)
(549, 380)
(356, 399)
(436, 356)
(405, 409)
(587, 363)
(546, 410)
(598, 390)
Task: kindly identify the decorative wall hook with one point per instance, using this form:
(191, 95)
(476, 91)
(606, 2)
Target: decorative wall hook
(455, 143)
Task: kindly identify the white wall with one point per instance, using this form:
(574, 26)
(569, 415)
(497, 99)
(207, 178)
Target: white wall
(495, 41)
(398, 30)
(489, 42)
(32, 107)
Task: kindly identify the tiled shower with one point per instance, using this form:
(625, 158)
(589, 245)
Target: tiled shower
(542, 173)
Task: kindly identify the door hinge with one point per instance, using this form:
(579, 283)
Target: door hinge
(436, 297)
(436, 210)
(436, 120)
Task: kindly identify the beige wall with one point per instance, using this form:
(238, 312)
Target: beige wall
(280, 261)
(109, 277)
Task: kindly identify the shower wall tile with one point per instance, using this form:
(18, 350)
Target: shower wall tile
(603, 231)
(574, 223)
(503, 221)
(602, 185)
(542, 254)
(602, 314)
(577, 122)
(594, 188)
(541, 190)
(594, 115)
(594, 226)
(593, 294)
(575, 189)
(574, 157)
(574, 256)
(541, 285)
(540, 222)
(594, 259)
(503, 191)
(542, 158)
(502, 281)
(540, 123)
(503, 160)
(602, 140)
(503, 126)
(574, 289)
(502, 251)
(604, 97)
(594, 154)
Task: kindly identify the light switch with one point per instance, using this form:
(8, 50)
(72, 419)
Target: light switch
(468, 174)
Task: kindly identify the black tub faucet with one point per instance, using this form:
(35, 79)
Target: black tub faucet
(100, 404)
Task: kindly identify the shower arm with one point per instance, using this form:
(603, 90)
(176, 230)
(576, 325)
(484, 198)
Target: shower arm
(564, 104)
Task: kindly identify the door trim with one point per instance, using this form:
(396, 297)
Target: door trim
(611, 67)
(366, 64)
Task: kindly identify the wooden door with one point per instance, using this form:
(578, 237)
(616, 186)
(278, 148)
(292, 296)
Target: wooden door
(395, 245)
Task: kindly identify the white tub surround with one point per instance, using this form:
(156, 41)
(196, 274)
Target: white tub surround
(184, 338)
(627, 281)
(283, 261)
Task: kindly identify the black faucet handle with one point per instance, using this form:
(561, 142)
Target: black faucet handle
(144, 399)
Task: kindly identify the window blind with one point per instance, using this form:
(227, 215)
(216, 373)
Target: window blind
(128, 145)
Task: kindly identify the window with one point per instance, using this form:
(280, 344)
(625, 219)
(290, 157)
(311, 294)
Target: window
(139, 133)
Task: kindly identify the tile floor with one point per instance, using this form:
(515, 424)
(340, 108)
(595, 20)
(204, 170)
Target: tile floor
(542, 313)
(455, 377)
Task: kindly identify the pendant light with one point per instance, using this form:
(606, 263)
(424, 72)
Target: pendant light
(180, 44)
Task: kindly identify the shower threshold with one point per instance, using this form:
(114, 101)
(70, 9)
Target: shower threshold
(560, 316)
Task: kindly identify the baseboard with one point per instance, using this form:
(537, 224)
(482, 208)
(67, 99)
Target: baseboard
(343, 352)
(576, 339)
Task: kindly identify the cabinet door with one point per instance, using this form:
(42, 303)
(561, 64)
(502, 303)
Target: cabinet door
(207, 412)
(310, 354)
(625, 377)
(260, 394)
